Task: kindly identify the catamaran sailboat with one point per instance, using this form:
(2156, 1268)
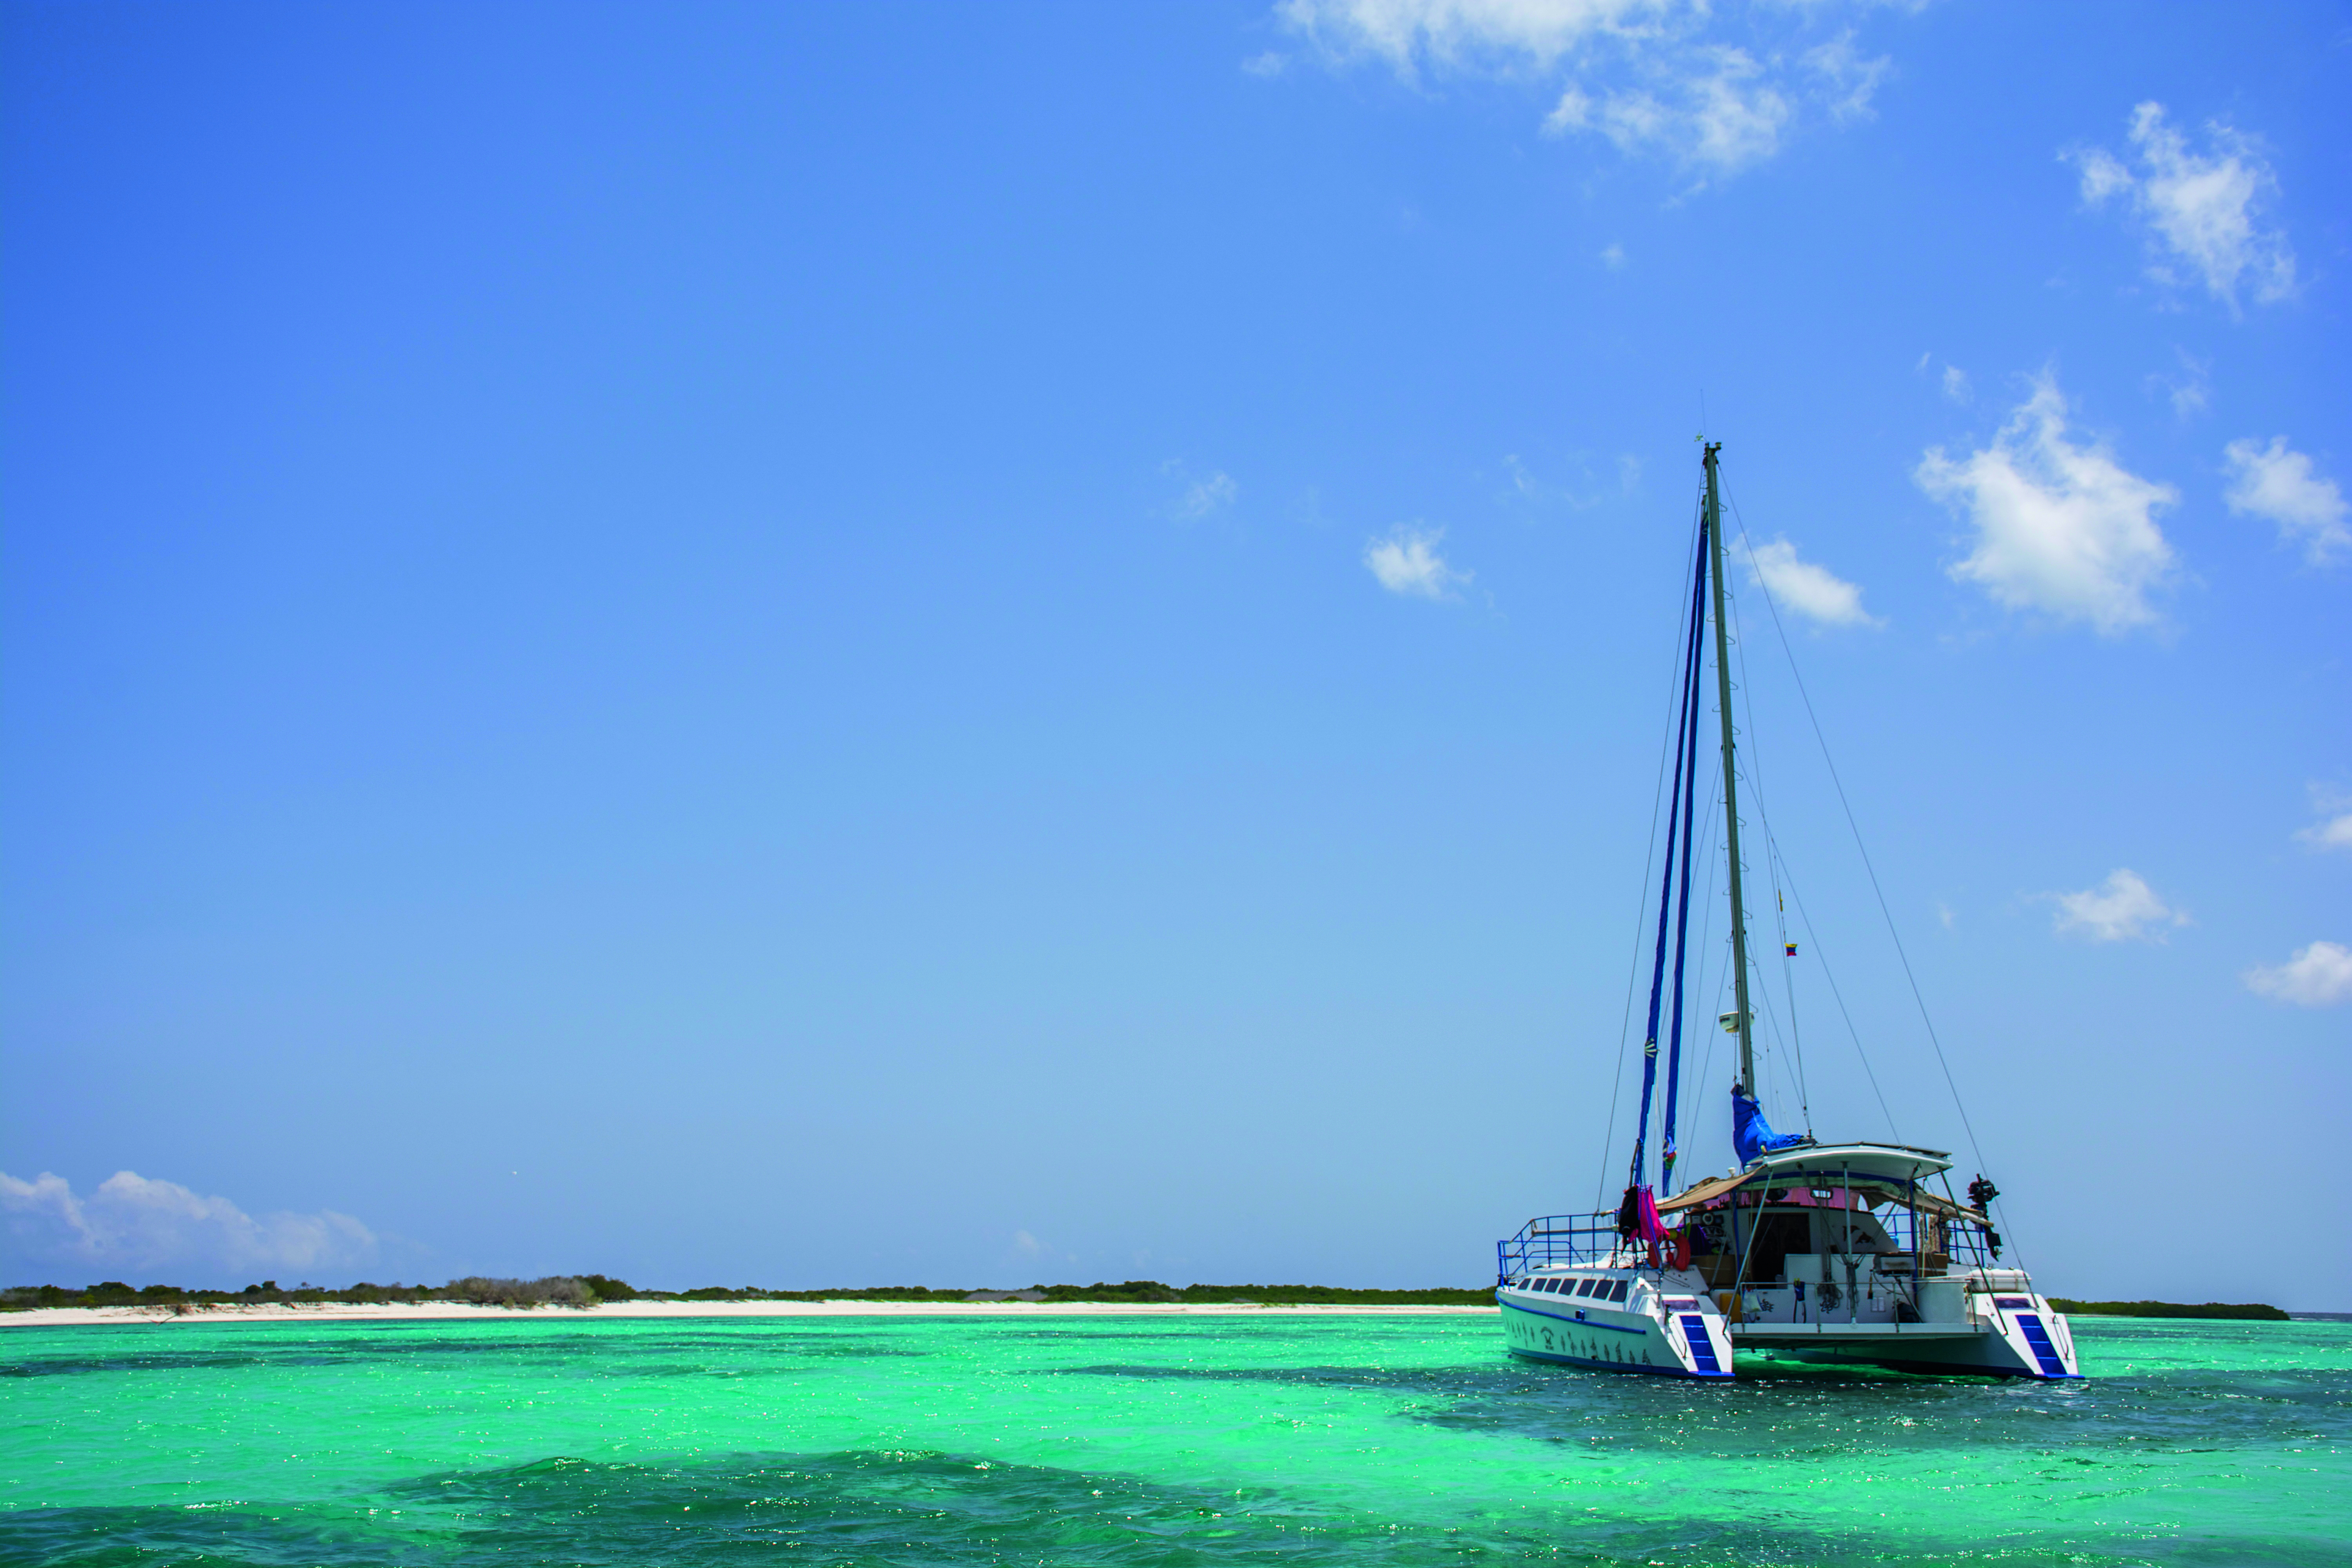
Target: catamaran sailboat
(1838, 1252)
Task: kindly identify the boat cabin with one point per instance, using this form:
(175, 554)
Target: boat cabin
(1844, 1234)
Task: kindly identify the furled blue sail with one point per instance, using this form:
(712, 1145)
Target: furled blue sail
(1751, 1135)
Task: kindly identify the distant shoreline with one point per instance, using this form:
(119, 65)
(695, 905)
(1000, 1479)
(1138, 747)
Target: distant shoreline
(413, 1311)
(450, 1311)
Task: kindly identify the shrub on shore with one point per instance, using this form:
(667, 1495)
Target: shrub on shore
(565, 1291)
(2248, 1311)
(587, 1289)
(554, 1290)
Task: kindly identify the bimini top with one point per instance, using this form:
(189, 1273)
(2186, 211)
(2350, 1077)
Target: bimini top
(1896, 1162)
(1891, 1168)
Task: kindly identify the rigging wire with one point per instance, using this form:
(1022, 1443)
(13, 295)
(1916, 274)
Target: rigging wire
(1829, 974)
(1709, 890)
(1755, 776)
(1916, 995)
(1642, 907)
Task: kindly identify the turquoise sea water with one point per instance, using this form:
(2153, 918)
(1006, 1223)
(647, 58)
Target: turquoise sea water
(1212, 1440)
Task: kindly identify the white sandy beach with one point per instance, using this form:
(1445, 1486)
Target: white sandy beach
(363, 1312)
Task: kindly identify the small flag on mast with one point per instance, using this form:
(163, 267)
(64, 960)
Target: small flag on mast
(1792, 950)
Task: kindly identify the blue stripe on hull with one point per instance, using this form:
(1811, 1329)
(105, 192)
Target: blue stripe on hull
(1702, 1348)
(2037, 1340)
(1590, 1365)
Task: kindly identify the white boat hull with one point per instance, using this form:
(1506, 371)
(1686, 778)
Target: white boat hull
(1669, 1328)
(2023, 1340)
(1682, 1343)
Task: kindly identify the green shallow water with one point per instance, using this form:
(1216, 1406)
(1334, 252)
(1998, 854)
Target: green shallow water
(1384, 1440)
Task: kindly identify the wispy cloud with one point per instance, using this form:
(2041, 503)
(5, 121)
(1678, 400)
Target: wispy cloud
(1651, 77)
(2203, 210)
(2280, 485)
(1413, 36)
(1850, 78)
(2319, 975)
(130, 1223)
(1812, 591)
(2124, 908)
(1586, 488)
(2189, 391)
(1956, 383)
(1198, 496)
(1720, 113)
(1406, 562)
(2061, 527)
(2334, 828)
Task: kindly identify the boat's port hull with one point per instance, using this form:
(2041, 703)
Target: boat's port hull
(1611, 1341)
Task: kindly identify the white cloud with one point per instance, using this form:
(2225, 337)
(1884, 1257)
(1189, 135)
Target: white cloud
(1717, 113)
(131, 1225)
(1811, 591)
(1956, 383)
(2280, 485)
(1270, 64)
(2202, 209)
(1651, 76)
(2319, 975)
(1465, 35)
(1614, 257)
(2334, 828)
(2123, 908)
(2062, 527)
(1851, 81)
(1406, 562)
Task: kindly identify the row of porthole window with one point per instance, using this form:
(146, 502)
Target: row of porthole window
(1599, 1289)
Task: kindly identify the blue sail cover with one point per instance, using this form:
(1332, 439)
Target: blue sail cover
(1751, 1135)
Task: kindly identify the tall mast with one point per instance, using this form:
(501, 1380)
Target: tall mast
(1731, 795)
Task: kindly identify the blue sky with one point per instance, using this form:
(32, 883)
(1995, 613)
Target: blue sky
(828, 645)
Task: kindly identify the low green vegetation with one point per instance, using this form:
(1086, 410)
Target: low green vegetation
(563, 1289)
(587, 1289)
(2254, 1312)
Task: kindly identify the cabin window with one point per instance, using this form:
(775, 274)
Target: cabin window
(1549, 1285)
(1617, 1289)
(1584, 1287)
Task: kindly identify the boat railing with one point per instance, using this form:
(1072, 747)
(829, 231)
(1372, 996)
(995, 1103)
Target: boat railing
(1556, 1240)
